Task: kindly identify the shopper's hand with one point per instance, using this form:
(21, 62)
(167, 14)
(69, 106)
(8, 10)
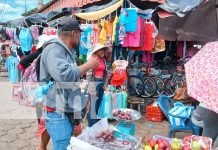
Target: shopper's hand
(93, 61)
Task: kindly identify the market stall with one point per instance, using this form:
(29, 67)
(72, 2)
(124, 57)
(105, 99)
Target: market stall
(145, 60)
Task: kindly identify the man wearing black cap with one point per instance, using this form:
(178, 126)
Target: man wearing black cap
(59, 65)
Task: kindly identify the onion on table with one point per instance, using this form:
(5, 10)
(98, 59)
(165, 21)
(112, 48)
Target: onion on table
(107, 136)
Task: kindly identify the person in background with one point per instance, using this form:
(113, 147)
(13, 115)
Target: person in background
(59, 65)
(208, 120)
(99, 76)
(42, 134)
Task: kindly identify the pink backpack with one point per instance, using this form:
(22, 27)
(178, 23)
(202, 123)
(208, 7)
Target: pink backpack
(29, 83)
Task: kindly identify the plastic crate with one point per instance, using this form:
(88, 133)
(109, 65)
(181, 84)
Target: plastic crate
(154, 113)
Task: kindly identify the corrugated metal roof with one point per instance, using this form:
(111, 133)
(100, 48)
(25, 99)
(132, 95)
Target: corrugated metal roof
(57, 4)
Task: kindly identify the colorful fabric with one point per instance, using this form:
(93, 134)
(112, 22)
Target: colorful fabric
(119, 77)
(148, 57)
(106, 108)
(109, 30)
(132, 18)
(100, 13)
(25, 39)
(97, 30)
(16, 39)
(180, 110)
(121, 27)
(103, 33)
(87, 40)
(50, 31)
(201, 75)
(35, 32)
(116, 19)
(12, 66)
(135, 39)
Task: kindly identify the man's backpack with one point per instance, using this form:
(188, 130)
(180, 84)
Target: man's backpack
(29, 83)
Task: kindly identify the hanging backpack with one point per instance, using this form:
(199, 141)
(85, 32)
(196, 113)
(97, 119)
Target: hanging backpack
(29, 83)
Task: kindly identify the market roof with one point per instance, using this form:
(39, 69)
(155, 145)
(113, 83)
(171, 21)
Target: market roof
(75, 3)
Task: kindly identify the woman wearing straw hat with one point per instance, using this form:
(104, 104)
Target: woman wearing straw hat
(99, 76)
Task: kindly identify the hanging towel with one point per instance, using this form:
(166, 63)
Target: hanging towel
(179, 110)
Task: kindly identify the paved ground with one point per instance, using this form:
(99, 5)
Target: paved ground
(18, 123)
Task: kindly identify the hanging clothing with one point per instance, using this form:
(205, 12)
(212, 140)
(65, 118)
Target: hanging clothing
(109, 31)
(148, 37)
(116, 19)
(97, 30)
(12, 66)
(25, 39)
(109, 27)
(135, 39)
(87, 39)
(148, 57)
(103, 33)
(9, 33)
(16, 35)
(120, 76)
(50, 31)
(131, 17)
(121, 27)
(35, 32)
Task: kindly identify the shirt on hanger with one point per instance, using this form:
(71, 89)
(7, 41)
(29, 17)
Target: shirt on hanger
(16, 39)
(135, 39)
(97, 30)
(25, 39)
(103, 33)
(12, 65)
(147, 36)
(87, 39)
(35, 32)
(131, 25)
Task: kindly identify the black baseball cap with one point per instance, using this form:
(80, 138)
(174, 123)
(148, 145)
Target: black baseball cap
(69, 24)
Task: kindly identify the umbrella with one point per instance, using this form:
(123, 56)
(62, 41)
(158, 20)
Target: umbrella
(202, 76)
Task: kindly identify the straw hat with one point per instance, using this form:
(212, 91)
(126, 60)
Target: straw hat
(97, 47)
